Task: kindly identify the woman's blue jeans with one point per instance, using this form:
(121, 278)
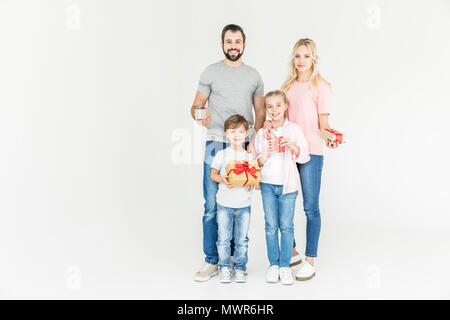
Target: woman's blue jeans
(310, 178)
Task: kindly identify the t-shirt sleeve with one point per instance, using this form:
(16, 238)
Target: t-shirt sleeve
(323, 103)
(259, 91)
(204, 84)
(217, 161)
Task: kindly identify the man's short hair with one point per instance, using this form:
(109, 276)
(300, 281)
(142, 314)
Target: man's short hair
(233, 28)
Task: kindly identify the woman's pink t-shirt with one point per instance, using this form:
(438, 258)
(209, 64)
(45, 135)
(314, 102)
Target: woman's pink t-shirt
(305, 105)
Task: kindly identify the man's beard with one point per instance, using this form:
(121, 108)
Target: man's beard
(229, 57)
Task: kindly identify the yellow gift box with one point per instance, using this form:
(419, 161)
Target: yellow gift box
(242, 173)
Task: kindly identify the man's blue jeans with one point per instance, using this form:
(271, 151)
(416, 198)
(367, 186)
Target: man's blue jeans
(210, 188)
(279, 212)
(310, 178)
(233, 223)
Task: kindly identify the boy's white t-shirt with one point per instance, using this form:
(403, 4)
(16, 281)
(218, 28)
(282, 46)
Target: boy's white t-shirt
(273, 169)
(235, 197)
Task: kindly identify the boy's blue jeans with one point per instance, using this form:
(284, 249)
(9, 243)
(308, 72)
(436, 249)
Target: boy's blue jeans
(310, 178)
(233, 223)
(210, 188)
(279, 212)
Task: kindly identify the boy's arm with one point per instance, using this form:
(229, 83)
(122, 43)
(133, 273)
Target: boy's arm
(215, 176)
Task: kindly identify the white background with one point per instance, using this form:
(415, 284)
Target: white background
(101, 164)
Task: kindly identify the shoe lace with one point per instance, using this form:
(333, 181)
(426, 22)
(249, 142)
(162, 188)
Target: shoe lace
(225, 272)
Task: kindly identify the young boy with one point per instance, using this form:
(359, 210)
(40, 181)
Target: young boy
(233, 203)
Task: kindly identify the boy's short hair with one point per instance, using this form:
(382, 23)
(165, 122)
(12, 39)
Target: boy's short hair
(235, 121)
(275, 93)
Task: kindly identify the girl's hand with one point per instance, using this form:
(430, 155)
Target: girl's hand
(267, 128)
(265, 154)
(289, 143)
(204, 122)
(332, 145)
(225, 181)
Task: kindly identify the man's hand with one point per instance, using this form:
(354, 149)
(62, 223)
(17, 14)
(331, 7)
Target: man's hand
(204, 122)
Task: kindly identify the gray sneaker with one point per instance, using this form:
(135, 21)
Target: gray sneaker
(206, 272)
(225, 275)
(241, 276)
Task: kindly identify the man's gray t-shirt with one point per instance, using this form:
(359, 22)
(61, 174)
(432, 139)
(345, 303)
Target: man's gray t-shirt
(231, 91)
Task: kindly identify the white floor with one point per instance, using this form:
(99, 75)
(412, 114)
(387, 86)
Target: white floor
(355, 263)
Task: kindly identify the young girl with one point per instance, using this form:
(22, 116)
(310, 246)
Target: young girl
(279, 184)
(309, 106)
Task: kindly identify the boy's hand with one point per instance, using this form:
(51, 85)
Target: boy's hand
(204, 122)
(225, 181)
(252, 186)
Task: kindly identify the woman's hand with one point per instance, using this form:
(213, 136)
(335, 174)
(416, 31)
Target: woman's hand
(332, 145)
(267, 128)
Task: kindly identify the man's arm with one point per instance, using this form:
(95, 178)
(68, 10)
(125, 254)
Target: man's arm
(200, 101)
(260, 115)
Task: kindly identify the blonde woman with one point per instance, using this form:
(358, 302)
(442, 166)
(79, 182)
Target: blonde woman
(309, 106)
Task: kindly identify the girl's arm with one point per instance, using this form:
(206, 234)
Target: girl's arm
(261, 151)
(299, 140)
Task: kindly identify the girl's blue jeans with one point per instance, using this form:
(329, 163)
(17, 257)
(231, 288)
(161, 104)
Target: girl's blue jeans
(279, 212)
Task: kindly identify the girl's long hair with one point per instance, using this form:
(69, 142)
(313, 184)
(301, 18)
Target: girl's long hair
(293, 72)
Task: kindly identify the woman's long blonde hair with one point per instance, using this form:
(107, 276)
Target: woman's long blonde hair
(293, 72)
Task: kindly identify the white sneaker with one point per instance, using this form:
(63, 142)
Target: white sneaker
(224, 275)
(286, 276)
(295, 260)
(272, 274)
(305, 272)
(206, 272)
(241, 276)
(232, 262)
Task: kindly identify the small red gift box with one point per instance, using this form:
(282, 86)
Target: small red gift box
(201, 113)
(332, 135)
(275, 144)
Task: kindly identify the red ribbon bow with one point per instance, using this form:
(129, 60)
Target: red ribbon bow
(244, 167)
